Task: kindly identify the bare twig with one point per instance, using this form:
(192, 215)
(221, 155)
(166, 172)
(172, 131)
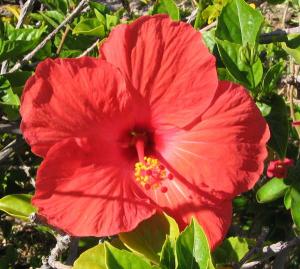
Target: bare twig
(89, 49)
(208, 27)
(10, 148)
(27, 7)
(70, 18)
(273, 250)
(63, 38)
(259, 243)
(12, 128)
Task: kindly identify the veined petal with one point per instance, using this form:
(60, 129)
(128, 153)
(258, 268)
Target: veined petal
(86, 194)
(70, 98)
(168, 64)
(223, 153)
(183, 201)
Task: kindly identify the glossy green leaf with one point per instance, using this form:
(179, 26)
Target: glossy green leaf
(123, 259)
(272, 190)
(288, 199)
(239, 23)
(292, 46)
(89, 27)
(147, 239)
(17, 205)
(168, 7)
(248, 74)
(16, 42)
(272, 77)
(232, 249)
(295, 53)
(192, 248)
(278, 123)
(93, 258)
(167, 257)
(8, 97)
(61, 5)
(111, 21)
(295, 206)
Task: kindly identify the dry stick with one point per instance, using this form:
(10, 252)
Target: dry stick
(273, 250)
(255, 249)
(24, 11)
(208, 27)
(72, 15)
(89, 49)
(63, 38)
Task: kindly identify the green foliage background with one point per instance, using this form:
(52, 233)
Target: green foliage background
(238, 34)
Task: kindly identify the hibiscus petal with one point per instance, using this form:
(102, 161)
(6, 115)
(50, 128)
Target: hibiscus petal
(70, 97)
(183, 202)
(223, 153)
(167, 63)
(86, 195)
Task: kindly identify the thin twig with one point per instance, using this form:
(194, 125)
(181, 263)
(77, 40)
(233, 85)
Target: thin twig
(12, 128)
(208, 27)
(70, 18)
(272, 250)
(63, 38)
(259, 243)
(10, 148)
(27, 7)
(89, 49)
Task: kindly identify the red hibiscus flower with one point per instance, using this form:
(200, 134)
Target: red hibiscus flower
(279, 168)
(147, 127)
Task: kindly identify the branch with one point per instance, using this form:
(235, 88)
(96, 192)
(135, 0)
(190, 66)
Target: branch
(89, 49)
(256, 249)
(273, 250)
(69, 19)
(12, 128)
(10, 148)
(27, 7)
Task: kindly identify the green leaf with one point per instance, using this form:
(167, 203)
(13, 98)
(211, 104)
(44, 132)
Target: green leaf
(167, 7)
(272, 77)
(247, 73)
(272, 190)
(167, 257)
(52, 17)
(239, 23)
(192, 248)
(17, 205)
(295, 206)
(264, 108)
(233, 249)
(288, 199)
(147, 239)
(111, 21)
(16, 42)
(7, 95)
(295, 53)
(89, 27)
(100, 7)
(278, 123)
(123, 259)
(93, 258)
(61, 5)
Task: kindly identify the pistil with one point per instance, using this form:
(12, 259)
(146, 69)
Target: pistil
(149, 172)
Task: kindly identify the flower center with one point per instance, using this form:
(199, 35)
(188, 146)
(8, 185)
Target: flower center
(149, 172)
